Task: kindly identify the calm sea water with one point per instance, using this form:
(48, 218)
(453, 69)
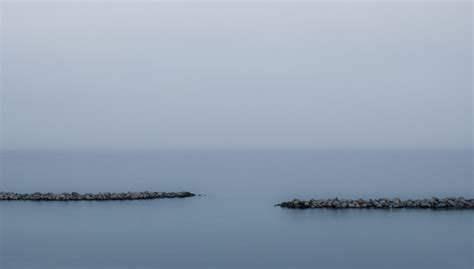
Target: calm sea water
(235, 224)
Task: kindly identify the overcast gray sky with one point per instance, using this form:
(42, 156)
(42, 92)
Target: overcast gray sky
(161, 75)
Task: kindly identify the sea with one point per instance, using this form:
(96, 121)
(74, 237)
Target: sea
(234, 223)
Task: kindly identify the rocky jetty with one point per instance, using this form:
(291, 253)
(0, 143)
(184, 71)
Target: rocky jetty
(102, 196)
(383, 203)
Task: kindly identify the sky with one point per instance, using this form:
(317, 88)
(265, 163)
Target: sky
(260, 75)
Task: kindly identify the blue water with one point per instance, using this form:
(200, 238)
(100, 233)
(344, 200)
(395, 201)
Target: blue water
(235, 224)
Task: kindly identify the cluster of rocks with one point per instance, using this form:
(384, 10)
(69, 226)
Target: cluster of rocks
(105, 196)
(448, 203)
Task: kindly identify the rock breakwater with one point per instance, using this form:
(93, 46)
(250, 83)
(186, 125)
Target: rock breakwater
(382, 203)
(103, 196)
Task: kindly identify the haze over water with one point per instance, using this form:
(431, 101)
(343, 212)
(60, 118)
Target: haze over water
(307, 75)
(248, 104)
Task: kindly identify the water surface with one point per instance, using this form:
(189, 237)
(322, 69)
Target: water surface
(235, 225)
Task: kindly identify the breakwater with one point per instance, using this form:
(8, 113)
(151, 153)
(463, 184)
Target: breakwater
(382, 203)
(103, 196)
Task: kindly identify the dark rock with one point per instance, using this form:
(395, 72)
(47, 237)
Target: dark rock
(74, 196)
(384, 203)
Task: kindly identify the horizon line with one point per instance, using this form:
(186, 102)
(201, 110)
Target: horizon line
(236, 149)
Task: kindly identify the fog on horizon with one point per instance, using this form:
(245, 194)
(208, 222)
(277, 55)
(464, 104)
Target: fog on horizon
(161, 75)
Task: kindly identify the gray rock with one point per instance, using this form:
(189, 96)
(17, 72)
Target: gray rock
(434, 203)
(74, 196)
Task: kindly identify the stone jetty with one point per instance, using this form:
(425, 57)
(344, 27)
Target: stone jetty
(382, 203)
(102, 196)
